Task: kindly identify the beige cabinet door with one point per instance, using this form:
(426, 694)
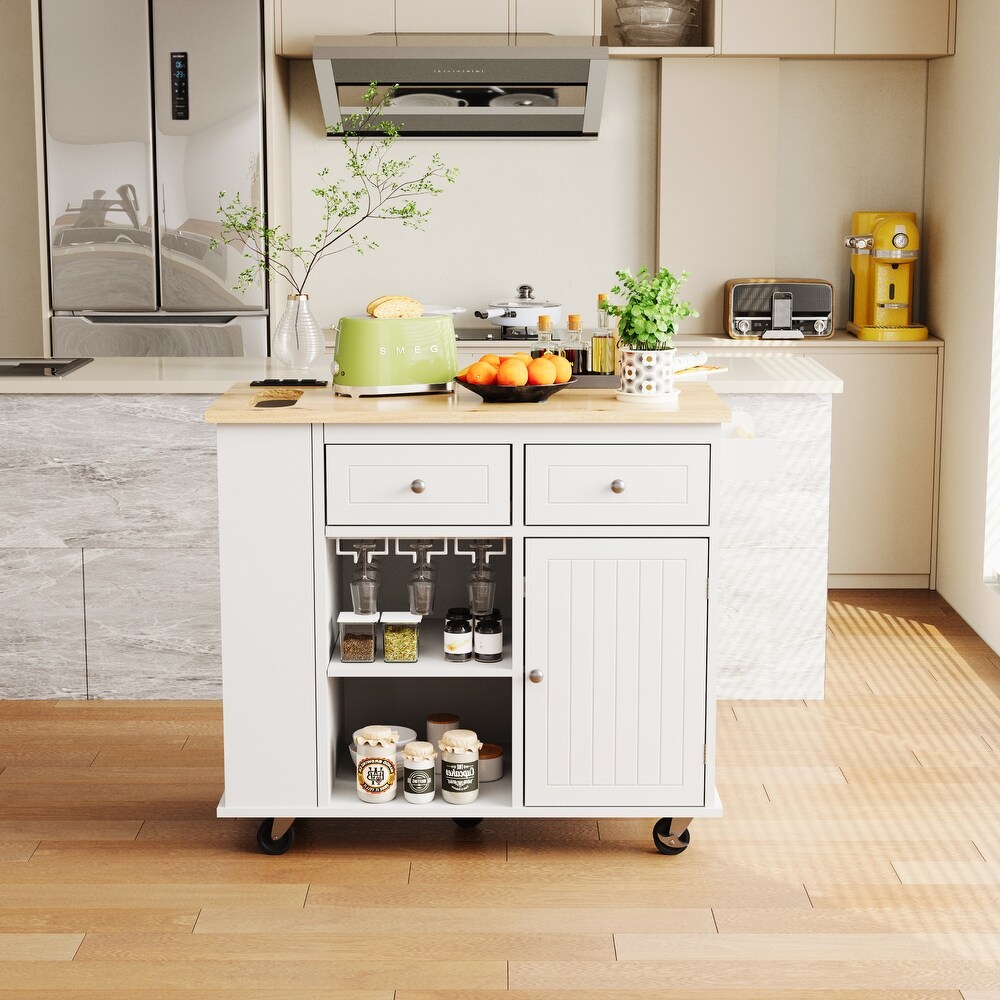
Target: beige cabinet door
(778, 27)
(558, 17)
(893, 27)
(882, 465)
(299, 21)
(451, 15)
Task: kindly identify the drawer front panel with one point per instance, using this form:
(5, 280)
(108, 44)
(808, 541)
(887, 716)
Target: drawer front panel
(620, 484)
(418, 484)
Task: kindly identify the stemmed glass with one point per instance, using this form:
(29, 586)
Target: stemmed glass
(364, 586)
(421, 585)
(482, 585)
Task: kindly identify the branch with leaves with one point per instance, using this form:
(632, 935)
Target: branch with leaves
(648, 319)
(377, 188)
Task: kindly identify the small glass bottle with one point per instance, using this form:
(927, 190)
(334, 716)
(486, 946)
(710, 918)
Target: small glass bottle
(376, 774)
(418, 772)
(457, 639)
(602, 344)
(459, 766)
(576, 351)
(488, 640)
(545, 345)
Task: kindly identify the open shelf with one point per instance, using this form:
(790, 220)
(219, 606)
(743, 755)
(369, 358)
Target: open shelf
(431, 663)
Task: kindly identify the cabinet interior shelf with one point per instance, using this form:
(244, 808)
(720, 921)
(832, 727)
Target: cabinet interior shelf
(426, 666)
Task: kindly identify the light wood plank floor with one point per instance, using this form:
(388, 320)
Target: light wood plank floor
(859, 857)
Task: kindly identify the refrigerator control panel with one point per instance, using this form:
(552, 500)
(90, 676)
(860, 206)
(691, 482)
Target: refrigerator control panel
(179, 86)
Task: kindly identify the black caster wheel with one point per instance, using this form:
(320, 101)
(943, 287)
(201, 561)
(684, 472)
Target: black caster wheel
(666, 844)
(270, 845)
(466, 822)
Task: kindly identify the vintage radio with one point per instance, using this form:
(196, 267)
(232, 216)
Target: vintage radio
(778, 308)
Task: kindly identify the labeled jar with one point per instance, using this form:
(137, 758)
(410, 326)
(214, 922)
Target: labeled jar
(376, 771)
(418, 772)
(459, 766)
(487, 642)
(400, 637)
(357, 637)
(457, 640)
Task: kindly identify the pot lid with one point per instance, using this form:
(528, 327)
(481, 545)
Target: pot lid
(525, 300)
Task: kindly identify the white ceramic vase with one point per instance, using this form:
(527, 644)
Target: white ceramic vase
(647, 377)
(298, 340)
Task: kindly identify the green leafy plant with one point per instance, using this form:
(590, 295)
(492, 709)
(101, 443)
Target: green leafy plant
(376, 188)
(648, 319)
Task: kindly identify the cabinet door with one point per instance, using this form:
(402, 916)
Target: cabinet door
(559, 17)
(618, 628)
(451, 15)
(299, 21)
(882, 463)
(892, 27)
(778, 27)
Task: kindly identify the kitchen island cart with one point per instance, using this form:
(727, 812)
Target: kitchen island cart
(595, 520)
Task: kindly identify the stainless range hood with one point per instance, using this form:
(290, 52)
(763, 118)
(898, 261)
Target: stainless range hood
(541, 86)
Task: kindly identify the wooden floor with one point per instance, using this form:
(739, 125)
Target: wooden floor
(859, 857)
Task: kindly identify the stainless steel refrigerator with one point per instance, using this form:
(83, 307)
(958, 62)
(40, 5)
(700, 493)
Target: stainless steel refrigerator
(152, 108)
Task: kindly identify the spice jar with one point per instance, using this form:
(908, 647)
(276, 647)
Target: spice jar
(487, 643)
(457, 640)
(357, 637)
(400, 637)
(376, 774)
(418, 772)
(459, 766)
(437, 725)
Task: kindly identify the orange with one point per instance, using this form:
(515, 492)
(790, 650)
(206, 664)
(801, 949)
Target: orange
(521, 356)
(481, 373)
(564, 370)
(512, 372)
(490, 359)
(541, 371)
(461, 375)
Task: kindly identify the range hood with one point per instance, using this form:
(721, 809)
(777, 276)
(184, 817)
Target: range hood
(541, 86)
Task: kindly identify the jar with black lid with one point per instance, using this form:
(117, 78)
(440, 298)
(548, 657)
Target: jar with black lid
(488, 640)
(457, 639)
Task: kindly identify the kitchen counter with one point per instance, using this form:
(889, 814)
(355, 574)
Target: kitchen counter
(213, 376)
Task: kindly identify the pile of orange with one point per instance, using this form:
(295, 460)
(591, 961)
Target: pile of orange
(517, 369)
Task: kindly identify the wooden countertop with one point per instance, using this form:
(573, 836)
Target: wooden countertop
(698, 404)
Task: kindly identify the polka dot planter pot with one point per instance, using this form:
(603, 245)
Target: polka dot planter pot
(647, 377)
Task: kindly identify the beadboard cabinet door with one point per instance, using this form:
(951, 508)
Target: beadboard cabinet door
(618, 629)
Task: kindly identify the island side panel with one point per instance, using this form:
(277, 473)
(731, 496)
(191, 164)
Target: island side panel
(268, 631)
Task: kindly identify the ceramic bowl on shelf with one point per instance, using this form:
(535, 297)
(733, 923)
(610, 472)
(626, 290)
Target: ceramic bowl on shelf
(646, 13)
(516, 393)
(660, 35)
(687, 6)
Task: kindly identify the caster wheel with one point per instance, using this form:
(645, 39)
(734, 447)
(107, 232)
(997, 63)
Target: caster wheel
(466, 822)
(666, 844)
(268, 844)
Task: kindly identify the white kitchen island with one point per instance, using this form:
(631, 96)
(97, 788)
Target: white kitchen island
(603, 518)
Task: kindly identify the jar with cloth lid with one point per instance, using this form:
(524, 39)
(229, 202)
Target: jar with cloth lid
(376, 773)
(418, 772)
(459, 766)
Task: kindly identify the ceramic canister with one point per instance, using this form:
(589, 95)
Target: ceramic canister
(418, 772)
(437, 725)
(376, 774)
(459, 766)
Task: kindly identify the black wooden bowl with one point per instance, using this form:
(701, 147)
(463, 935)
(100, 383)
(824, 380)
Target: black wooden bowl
(515, 393)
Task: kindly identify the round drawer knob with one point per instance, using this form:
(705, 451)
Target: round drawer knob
(418, 486)
(536, 676)
(617, 485)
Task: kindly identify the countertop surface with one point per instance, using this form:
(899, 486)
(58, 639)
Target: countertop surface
(698, 404)
(775, 372)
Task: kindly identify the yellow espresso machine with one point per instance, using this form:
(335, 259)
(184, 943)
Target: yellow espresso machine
(884, 249)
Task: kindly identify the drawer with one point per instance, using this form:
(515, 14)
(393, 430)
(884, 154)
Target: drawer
(638, 484)
(418, 484)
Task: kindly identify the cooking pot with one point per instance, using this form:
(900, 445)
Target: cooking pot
(522, 311)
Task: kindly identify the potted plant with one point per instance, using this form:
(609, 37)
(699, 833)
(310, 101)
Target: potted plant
(376, 188)
(647, 323)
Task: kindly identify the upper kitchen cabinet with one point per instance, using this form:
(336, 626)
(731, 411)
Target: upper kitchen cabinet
(443, 16)
(298, 22)
(895, 27)
(778, 27)
(558, 17)
(905, 28)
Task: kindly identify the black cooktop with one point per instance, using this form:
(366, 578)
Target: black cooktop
(40, 367)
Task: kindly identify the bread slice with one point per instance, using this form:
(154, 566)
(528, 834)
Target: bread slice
(395, 307)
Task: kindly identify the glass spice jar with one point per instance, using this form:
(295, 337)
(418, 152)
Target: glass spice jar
(357, 637)
(457, 640)
(487, 642)
(400, 637)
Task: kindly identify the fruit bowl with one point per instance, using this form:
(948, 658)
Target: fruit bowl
(515, 393)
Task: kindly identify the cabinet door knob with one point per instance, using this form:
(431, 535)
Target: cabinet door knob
(536, 676)
(418, 486)
(617, 485)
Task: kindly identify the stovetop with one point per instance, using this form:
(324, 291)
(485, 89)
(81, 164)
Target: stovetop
(34, 367)
(496, 333)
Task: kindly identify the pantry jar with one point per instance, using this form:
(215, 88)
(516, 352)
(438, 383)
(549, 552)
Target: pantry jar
(418, 772)
(357, 637)
(488, 640)
(457, 640)
(459, 766)
(400, 637)
(376, 774)
(437, 725)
